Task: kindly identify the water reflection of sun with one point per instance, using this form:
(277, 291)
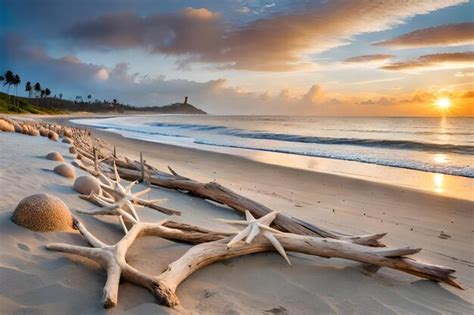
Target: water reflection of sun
(440, 158)
(438, 181)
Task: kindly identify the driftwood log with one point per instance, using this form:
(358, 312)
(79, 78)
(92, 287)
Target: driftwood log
(213, 247)
(220, 194)
(132, 171)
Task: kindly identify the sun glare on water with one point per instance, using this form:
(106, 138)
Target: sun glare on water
(443, 103)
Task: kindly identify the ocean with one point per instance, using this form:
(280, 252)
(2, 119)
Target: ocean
(436, 145)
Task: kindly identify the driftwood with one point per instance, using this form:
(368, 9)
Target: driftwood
(220, 194)
(112, 257)
(214, 248)
(118, 195)
(134, 170)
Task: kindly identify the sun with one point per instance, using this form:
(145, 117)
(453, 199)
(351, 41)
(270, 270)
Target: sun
(443, 103)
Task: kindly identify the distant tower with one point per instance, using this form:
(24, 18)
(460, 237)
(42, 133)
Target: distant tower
(185, 100)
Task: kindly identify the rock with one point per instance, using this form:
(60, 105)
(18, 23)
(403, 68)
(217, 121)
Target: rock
(65, 170)
(6, 126)
(87, 184)
(18, 128)
(43, 212)
(68, 132)
(44, 132)
(67, 140)
(53, 136)
(55, 156)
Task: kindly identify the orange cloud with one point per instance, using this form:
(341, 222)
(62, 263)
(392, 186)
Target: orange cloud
(369, 58)
(276, 43)
(444, 35)
(434, 62)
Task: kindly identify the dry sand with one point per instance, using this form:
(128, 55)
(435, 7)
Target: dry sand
(36, 281)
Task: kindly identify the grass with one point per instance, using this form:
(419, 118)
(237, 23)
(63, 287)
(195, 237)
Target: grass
(22, 106)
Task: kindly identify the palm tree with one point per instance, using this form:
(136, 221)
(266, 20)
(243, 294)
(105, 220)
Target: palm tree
(9, 79)
(16, 82)
(89, 97)
(42, 93)
(37, 89)
(47, 92)
(60, 96)
(28, 88)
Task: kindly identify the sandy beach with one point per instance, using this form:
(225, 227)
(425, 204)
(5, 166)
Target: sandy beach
(38, 281)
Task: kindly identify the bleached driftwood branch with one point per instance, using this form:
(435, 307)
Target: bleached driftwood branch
(213, 191)
(121, 195)
(214, 248)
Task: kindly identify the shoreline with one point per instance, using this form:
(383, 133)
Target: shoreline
(450, 186)
(250, 284)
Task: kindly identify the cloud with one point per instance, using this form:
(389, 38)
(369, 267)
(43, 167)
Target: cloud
(244, 10)
(314, 95)
(276, 43)
(18, 53)
(434, 62)
(192, 30)
(369, 58)
(444, 35)
(71, 76)
(468, 94)
(461, 74)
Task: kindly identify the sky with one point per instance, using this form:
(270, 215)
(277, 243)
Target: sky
(309, 57)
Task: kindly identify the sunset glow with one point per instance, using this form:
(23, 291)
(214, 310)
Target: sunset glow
(443, 103)
(322, 58)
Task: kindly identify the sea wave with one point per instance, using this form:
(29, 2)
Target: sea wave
(379, 143)
(212, 135)
(465, 171)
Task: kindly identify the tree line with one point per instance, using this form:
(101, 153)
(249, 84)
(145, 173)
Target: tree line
(42, 98)
(10, 79)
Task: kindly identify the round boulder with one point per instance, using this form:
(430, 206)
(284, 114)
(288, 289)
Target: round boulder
(6, 126)
(55, 156)
(43, 213)
(53, 136)
(68, 140)
(65, 170)
(87, 184)
(18, 128)
(44, 132)
(68, 132)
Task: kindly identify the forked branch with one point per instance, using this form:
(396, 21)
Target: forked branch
(214, 248)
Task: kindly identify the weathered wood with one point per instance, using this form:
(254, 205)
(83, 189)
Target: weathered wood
(207, 253)
(220, 194)
(142, 168)
(96, 160)
(140, 202)
(214, 248)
